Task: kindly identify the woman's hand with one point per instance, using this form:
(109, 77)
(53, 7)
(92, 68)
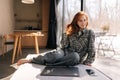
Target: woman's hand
(22, 61)
(88, 64)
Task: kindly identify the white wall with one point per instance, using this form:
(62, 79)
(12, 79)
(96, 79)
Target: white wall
(6, 17)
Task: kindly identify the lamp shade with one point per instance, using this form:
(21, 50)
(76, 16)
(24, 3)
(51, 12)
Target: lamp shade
(28, 1)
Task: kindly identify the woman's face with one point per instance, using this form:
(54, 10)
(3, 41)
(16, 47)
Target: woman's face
(82, 22)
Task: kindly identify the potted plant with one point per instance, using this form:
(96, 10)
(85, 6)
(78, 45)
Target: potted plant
(105, 28)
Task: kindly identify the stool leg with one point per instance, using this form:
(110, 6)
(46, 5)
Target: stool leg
(4, 48)
(15, 47)
(19, 51)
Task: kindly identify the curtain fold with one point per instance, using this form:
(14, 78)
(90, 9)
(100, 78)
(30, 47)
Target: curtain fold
(51, 42)
(65, 11)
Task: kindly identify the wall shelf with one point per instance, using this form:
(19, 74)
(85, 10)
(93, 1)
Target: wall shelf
(26, 20)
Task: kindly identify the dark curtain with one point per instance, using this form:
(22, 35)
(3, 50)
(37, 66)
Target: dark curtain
(82, 5)
(51, 42)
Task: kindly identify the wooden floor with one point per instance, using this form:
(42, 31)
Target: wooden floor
(5, 62)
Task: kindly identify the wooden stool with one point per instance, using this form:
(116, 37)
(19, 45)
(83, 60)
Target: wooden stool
(7, 39)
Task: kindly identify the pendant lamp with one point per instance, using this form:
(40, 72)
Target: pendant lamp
(28, 1)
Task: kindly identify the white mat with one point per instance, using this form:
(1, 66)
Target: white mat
(31, 71)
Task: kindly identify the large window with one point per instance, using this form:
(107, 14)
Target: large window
(103, 12)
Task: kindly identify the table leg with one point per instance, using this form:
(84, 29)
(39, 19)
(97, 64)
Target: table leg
(36, 44)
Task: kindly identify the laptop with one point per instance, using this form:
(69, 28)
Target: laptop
(60, 71)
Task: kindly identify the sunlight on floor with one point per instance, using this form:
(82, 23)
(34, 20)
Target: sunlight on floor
(109, 49)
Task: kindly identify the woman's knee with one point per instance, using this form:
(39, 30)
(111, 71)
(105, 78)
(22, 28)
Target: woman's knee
(54, 56)
(76, 57)
(73, 59)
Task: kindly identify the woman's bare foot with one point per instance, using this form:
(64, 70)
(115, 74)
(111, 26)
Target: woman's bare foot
(22, 61)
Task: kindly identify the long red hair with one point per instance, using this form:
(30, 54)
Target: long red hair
(73, 27)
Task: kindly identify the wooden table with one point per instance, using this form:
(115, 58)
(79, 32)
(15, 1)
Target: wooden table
(17, 44)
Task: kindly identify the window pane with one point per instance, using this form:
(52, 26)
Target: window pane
(103, 12)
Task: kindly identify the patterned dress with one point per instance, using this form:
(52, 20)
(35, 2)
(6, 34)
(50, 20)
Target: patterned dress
(82, 43)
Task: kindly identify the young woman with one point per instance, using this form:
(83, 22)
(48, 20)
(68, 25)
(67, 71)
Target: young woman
(77, 46)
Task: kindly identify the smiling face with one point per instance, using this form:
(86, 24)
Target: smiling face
(82, 21)
(79, 22)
